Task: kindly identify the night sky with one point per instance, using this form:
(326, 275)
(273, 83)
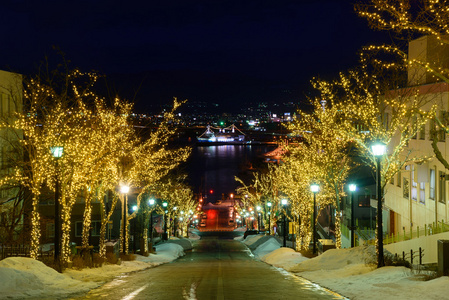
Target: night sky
(226, 52)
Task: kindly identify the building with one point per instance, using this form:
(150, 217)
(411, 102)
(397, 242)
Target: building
(417, 196)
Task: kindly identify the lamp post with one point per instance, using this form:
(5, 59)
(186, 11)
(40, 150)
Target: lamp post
(134, 209)
(124, 189)
(269, 217)
(315, 188)
(57, 152)
(379, 150)
(151, 203)
(258, 218)
(352, 188)
(284, 203)
(164, 205)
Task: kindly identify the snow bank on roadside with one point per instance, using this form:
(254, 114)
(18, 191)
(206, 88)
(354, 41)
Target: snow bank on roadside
(337, 259)
(283, 258)
(345, 271)
(251, 239)
(23, 277)
(169, 251)
(267, 247)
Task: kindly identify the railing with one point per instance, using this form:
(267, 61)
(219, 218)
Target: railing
(429, 229)
(14, 250)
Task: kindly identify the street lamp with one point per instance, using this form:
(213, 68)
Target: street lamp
(134, 235)
(379, 149)
(258, 217)
(124, 189)
(151, 203)
(165, 236)
(269, 217)
(315, 188)
(352, 188)
(57, 152)
(284, 203)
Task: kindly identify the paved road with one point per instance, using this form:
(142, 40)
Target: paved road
(217, 268)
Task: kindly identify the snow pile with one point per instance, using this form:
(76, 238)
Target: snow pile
(252, 239)
(269, 246)
(337, 259)
(283, 258)
(239, 238)
(255, 241)
(240, 229)
(170, 251)
(193, 236)
(186, 244)
(346, 272)
(25, 277)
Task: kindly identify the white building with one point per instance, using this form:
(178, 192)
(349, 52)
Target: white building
(418, 195)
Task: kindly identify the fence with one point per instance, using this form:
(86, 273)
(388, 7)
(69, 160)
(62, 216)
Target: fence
(14, 250)
(411, 255)
(430, 229)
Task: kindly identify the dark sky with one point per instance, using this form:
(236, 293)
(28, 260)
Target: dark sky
(229, 52)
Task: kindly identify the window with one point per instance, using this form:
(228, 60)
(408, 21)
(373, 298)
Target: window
(432, 184)
(422, 132)
(432, 130)
(414, 125)
(441, 132)
(414, 185)
(442, 187)
(95, 227)
(50, 230)
(405, 188)
(364, 201)
(422, 192)
(398, 183)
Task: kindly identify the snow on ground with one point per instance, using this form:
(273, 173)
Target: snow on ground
(23, 277)
(28, 278)
(345, 271)
(283, 258)
(267, 247)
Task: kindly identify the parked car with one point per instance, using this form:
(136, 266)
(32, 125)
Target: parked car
(250, 232)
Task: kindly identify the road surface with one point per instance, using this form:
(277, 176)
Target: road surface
(217, 268)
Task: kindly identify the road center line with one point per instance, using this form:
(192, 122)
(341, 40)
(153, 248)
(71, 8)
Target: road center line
(135, 293)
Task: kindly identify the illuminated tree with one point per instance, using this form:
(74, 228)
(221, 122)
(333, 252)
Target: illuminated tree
(407, 19)
(150, 160)
(15, 196)
(327, 149)
(296, 174)
(180, 199)
(264, 187)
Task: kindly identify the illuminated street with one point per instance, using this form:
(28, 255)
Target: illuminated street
(217, 268)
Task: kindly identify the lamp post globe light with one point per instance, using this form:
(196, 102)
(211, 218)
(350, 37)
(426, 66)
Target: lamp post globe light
(352, 189)
(269, 217)
(124, 189)
(284, 203)
(259, 219)
(165, 235)
(379, 149)
(57, 152)
(315, 188)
